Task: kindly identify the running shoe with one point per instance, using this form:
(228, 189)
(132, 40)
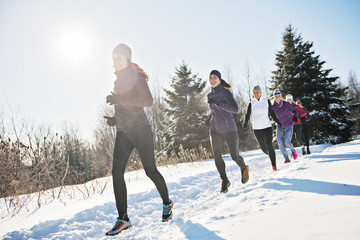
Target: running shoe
(119, 226)
(167, 211)
(245, 175)
(225, 186)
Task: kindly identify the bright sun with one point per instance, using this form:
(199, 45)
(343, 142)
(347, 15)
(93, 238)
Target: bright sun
(74, 45)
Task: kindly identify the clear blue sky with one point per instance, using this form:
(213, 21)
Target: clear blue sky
(55, 56)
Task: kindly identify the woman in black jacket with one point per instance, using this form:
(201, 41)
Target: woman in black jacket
(305, 131)
(131, 94)
(223, 128)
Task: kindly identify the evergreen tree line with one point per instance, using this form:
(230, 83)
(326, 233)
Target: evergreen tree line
(299, 71)
(35, 159)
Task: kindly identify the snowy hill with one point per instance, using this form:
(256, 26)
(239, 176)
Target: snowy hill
(314, 197)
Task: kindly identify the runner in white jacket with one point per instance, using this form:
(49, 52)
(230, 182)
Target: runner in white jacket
(261, 110)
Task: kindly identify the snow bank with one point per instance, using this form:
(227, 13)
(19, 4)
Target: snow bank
(314, 197)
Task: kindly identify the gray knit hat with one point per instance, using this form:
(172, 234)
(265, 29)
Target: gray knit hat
(257, 88)
(122, 50)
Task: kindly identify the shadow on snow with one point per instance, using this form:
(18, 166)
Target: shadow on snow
(337, 157)
(313, 186)
(196, 230)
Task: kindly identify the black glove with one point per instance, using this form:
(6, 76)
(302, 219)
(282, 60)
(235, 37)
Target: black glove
(111, 121)
(295, 118)
(213, 101)
(112, 99)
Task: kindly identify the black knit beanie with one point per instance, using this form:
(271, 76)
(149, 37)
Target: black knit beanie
(216, 73)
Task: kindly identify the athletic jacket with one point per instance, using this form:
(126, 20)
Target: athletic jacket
(261, 111)
(221, 116)
(282, 112)
(301, 112)
(305, 118)
(133, 94)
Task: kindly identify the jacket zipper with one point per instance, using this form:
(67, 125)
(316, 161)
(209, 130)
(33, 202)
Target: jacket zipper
(222, 115)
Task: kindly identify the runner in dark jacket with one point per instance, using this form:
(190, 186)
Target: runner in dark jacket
(131, 94)
(298, 123)
(223, 128)
(305, 131)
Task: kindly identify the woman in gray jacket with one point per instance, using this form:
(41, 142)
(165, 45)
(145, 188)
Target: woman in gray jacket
(223, 128)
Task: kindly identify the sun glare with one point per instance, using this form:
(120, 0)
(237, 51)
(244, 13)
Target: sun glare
(74, 45)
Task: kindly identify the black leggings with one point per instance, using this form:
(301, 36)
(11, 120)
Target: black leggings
(305, 132)
(142, 139)
(264, 138)
(298, 133)
(232, 141)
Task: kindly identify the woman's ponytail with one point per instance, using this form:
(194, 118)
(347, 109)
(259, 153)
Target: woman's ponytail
(138, 69)
(226, 85)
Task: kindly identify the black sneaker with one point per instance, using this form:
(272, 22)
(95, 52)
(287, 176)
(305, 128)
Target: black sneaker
(303, 151)
(119, 226)
(225, 186)
(167, 211)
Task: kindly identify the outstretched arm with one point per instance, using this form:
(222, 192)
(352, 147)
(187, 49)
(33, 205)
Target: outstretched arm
(272, 114)
(247, 116)
(141, 96)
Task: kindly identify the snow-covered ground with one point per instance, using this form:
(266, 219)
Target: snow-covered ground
(314, 197)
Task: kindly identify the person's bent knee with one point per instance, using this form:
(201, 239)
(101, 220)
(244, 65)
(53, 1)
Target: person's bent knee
(218, 158)
(151, 171)
(117, 175)
(281, 146)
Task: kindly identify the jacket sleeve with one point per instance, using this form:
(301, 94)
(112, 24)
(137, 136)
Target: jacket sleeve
(307, 116)
(229, 105)
(293, 110)
(248, 113)
(142, 96)
(301, 111)
(272, 114)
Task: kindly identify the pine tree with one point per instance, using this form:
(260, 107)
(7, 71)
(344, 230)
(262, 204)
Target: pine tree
(353, 98)
(300, 73)
(186, 111)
